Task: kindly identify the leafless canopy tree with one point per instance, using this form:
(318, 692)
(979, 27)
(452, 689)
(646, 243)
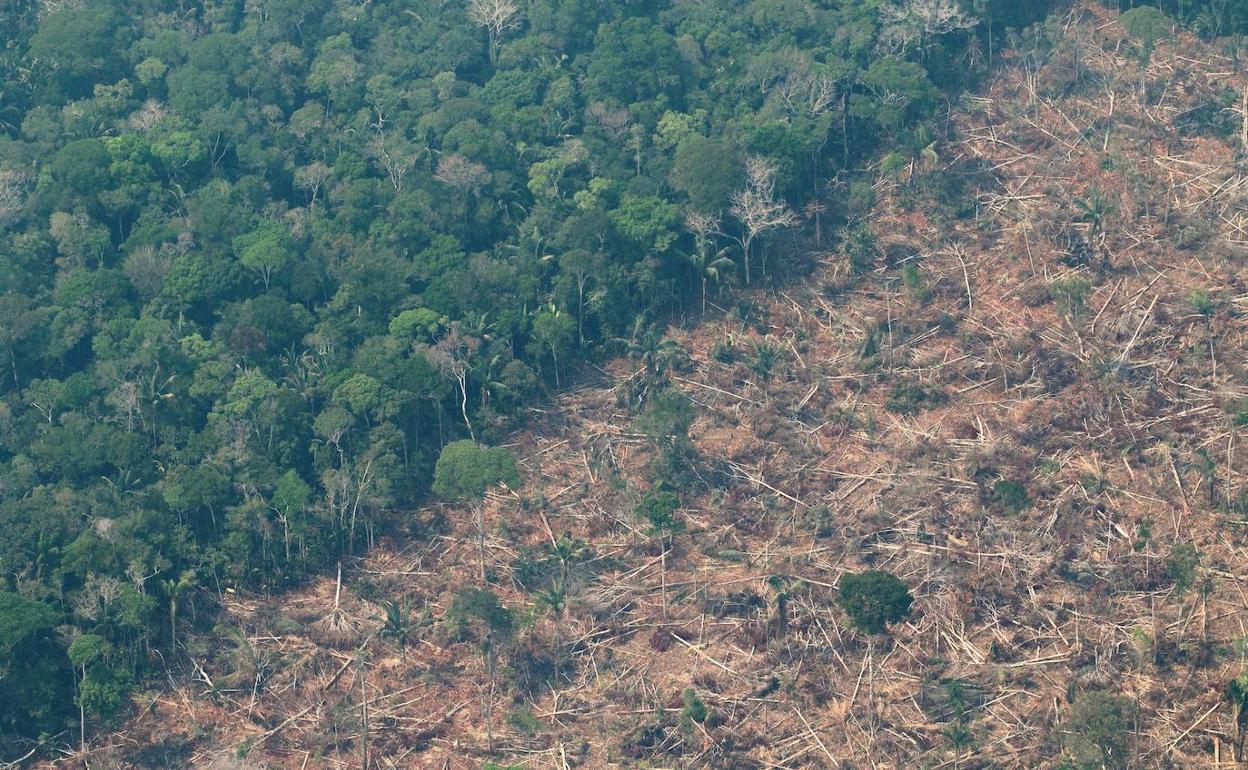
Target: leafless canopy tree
(311, 178)
(148, 116)
(12, 194)
(757, 208)
(613, 123)
(49, 7)
(464, 175)
(497, 16)
(451, 355)
(807, 89)
(396, 157)
(912, 21)
(701, 225)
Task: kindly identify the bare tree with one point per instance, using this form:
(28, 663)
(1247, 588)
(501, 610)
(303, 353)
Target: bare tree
(497, 16)
(613, 123)
(701, 226)
(807, 89)
(12, 195)
(148, 115)
(49, 7)
(1243, 131)
(757, 208)
(466, 177)
(311, 178)
(451, 355)
(819, 88)
(463, 174)
(146, 268)
(812, 90)
(397, 158)
(918, 21)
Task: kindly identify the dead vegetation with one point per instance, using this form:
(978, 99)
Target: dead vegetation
(1028, 410)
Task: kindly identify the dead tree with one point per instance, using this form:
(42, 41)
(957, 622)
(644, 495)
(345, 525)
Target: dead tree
(497, 16)
(464, 176)
(920, 20)
(12, 195)
(451, 355)
(757, 208)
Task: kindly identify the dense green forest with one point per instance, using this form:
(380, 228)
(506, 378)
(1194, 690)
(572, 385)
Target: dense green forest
(262, 260)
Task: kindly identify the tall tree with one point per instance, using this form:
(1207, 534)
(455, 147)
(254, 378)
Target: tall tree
(465, 471)
(35, 679)
(757, 207)
(497, 16)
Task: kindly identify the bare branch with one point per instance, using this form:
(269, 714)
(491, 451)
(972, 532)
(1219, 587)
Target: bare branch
(12, 195)
(920, 20)
(756, 206)
(497, 16)
(462, 174)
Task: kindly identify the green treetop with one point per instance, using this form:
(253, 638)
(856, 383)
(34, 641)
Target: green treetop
(874, 599)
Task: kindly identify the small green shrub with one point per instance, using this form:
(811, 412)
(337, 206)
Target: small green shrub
(658, 507)
(1010, 497)
(1182, 564)
(765, 358)
(1070, 295)
(892, 163)
(861, 248)
(524, 722)
(1095, 732)
(1202, 303)
(874, 599)
(914, 283)
(694, 709)
(913, 397)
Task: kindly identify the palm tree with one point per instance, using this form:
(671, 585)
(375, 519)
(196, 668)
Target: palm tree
(172, 590)
(567, 550)
(657, 352)
(1207, 468)
(1094, 208)
(554, 329)
(399, 625)
(490, 374)
(783, 590)
(709, 268)
(959, 731)
(704, 228)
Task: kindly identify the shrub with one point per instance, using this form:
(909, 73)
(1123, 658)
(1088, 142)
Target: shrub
(874, 599)
(765, 357)
(694, 709)
(861, 247)
(1182, 563)
(667, 419)
(1095, 732)
(1070, 295)
(914, 283)
(724, 352)
(1202, 303)
(524, 722)
(481, 608)
(1010, 496)
(658, 507)
(912, 397)
(1147, 23)
(665, 422)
